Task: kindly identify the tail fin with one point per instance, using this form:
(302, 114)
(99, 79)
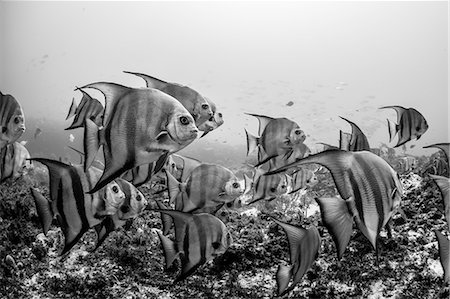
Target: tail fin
(43, 209)
(393, 129)
(91, 142)
(252, 142)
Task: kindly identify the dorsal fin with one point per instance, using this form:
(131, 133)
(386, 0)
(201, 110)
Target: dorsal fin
(72, 109)
(180, 220)
(263, 121)
(295, 235)
(445, 147)
(358, 140)
(151, 82)
(399, 109)
(112, 93)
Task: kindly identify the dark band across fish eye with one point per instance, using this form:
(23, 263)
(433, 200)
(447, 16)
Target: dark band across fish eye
(115, 189)
(205, 106)
(235, 185)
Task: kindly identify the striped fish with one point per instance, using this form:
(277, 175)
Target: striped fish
(142, 174)
(76, 210)
(140, 126)
(12, 120)
(444, 254)
(445, 147)
(198, 239)
(194, 102)
(444, 186)
(410, 124)
(72, 109)
(208, 188)
(214, 122)
(14, 163)
(268, 187)
(278, 136)
(89, 108)
(133, 205)
(303, 178)
(358, 141)
(370, 193)
(304, 245)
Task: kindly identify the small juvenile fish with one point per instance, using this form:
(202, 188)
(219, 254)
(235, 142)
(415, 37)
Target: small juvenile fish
(268, 187)
(278, 137)
(198, 239)
(12, 120)
(358, 141)
(290, 103)
(303, 178)
(76, 210)
(444, 253)
(410, 124)
(140, 126)
(208, 188)
(444, 186)
(133, 205)
(14, 161)
(304, 245)
(194, 102)
(370, 193)
(89, 108)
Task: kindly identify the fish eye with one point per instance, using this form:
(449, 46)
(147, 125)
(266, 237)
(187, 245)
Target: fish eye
(235, 185)
(417, 128)
(298, 132)
(124, 209)
(219, 114)
(16, 120)
(283, 186)
(205, 106)
(211, 118)
(138, 197)
(184, 120)
(229, 204)
(115, 189)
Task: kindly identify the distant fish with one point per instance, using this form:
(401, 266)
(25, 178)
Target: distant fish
(445, 147)
(198, 239)
(410, 124)
(37, 132)
(133, 205)
(14, 161)
(358, 141)
(303, 178)
(444, 186)
(12, 120)
(213, 122)
(76, 210)
(412, 146)
(304, 246)
(208, 188)
(89, 108)
(290, 103)
(444, 253)
(370, 194)
(142, 174)
(140, 126)
(277, 137)
(268, 187)
(194, 102)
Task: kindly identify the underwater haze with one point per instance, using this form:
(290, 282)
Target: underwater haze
(330, 59)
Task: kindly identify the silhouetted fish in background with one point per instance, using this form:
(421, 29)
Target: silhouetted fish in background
(198, 239)
(358, 141)
(89, 108)
(444, 253)
(304, 245)
(277, 137)
(410, 124)
(140, 126)
(133, 204)
(76, 211)
(12, 120)
(193, 101)
(370, 194)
